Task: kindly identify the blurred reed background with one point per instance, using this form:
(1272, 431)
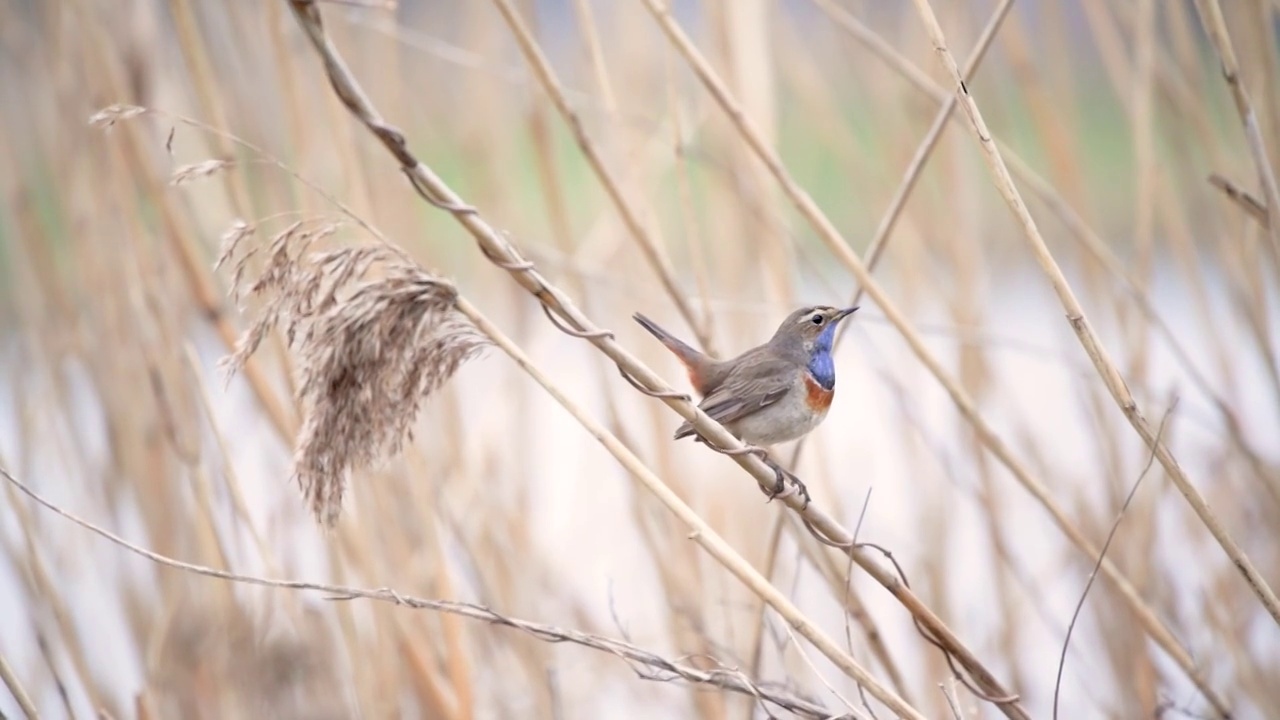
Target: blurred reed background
(113, 322)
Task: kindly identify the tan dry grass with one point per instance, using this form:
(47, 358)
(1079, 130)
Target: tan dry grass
(110, 403)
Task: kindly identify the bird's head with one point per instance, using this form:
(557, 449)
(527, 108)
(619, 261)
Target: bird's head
(811, 329)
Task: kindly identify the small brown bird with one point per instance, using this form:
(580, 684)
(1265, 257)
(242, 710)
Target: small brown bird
(773, 393)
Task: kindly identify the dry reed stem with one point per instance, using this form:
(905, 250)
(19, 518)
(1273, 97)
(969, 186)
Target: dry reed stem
(853, 712)
(595, 54)
(925, 149)
(1141, 117)
(837, 577)
(723, 677)
(502, 252)
(746, 46)
(953, 701)
(231, 479)
(201, 285)
(17, 691)
(684, 584)
(192, 46)
(1101, 252)
(684, 192)
(1216, 27)
(558, 215)
(1109, 373)
(1241, 197)
(43, 592)
(836, 574)
(1093, 574)
(432, 698)
(648, 247)
(194, 52)
(1058, 133)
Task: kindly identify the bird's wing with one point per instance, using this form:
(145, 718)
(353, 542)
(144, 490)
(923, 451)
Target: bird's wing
(754, 384)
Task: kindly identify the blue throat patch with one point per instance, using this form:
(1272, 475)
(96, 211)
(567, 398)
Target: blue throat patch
(821, 366)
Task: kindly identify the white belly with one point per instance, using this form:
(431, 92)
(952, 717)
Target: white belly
(788, 419)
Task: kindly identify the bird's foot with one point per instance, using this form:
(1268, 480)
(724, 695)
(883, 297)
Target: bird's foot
(780, 487)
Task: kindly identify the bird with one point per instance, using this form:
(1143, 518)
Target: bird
(773, 393)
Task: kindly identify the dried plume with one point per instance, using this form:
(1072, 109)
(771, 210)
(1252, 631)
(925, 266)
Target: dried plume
(196, 171)
(108, 116)
(373, 335)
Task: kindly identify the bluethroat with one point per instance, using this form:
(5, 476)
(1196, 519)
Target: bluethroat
(773, 393)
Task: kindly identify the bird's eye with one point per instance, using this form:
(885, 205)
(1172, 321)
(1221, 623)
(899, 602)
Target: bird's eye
(816, 319)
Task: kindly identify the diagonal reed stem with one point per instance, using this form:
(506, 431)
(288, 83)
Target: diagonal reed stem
(1107, 369)
(724, 678)
(1216, 27)
(630, 216)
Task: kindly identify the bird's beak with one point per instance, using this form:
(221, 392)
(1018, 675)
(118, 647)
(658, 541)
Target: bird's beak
(841, 314)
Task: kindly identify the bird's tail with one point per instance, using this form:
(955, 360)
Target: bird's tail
(673, 343)
(693, 360)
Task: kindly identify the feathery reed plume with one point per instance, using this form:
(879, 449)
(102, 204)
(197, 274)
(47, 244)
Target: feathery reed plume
(112, 114)
(368, 350)
(196, 171)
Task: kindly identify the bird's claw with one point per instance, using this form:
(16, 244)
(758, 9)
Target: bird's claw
(781, 475)
(782, 490)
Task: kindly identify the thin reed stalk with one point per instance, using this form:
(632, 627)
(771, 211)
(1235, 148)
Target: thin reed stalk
(1098, 355)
